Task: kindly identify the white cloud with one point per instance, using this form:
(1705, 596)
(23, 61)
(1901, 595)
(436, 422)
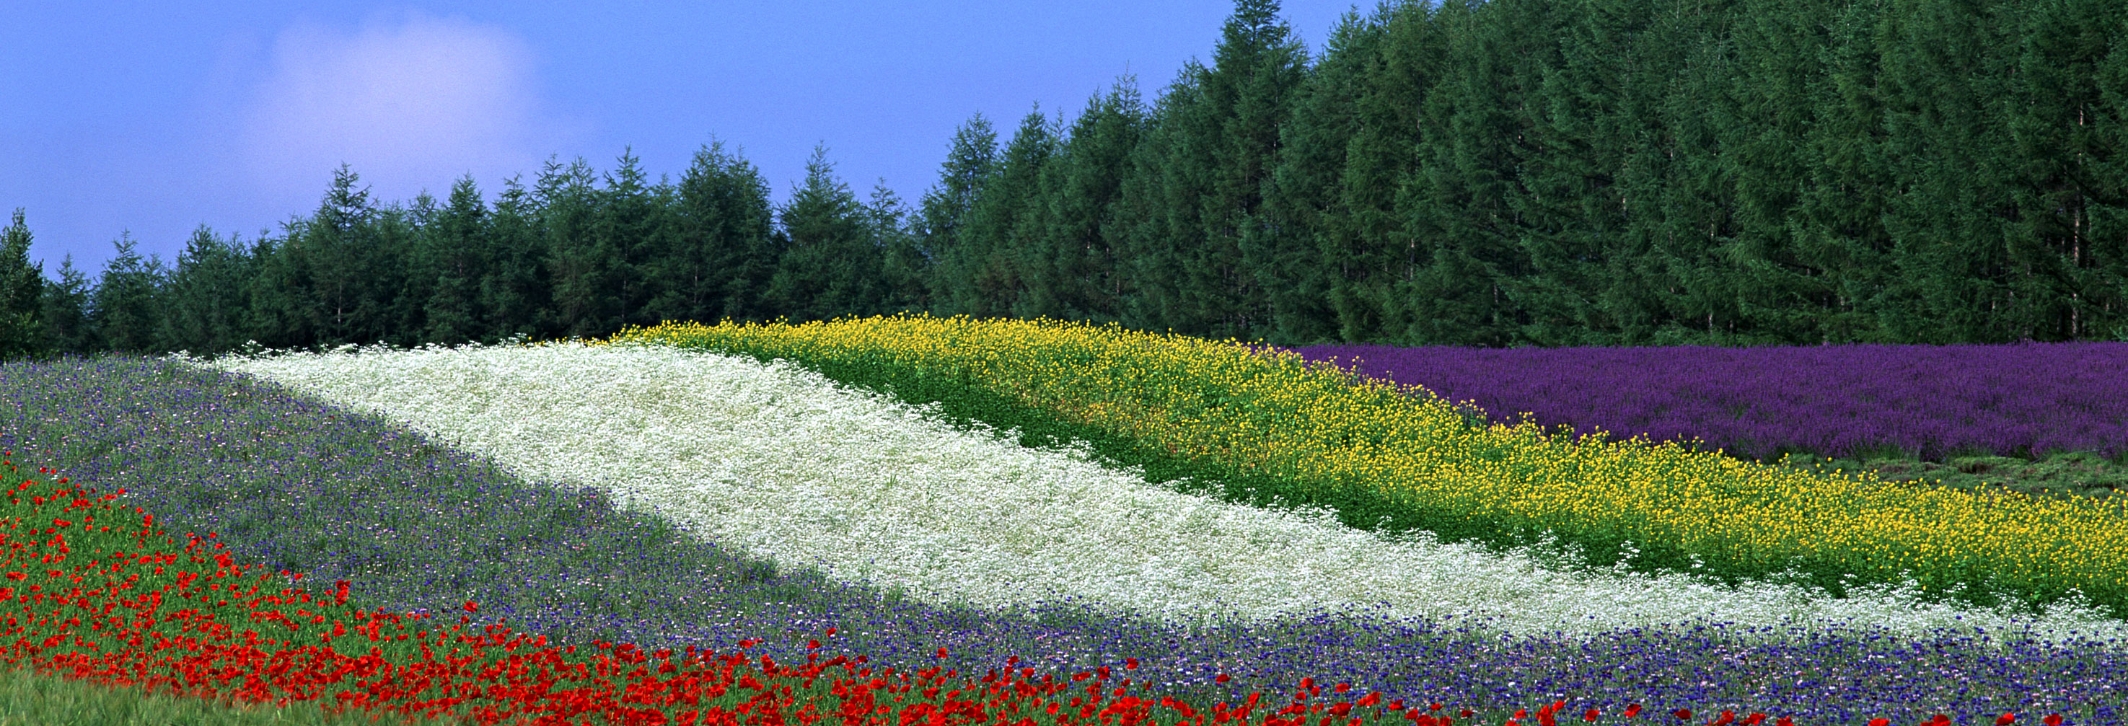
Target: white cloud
(410, 105)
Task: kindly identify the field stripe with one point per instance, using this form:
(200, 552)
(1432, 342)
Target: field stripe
(785, 464)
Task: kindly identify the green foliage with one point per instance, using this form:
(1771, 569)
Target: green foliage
(66, 311)
(28, 698)
(126, 305)
(831, 263)
(724, 250)
(204, 300)
(21, 294)
(1002, 227)
(946, 211)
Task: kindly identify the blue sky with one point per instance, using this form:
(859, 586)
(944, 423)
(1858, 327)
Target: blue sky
(154, 118)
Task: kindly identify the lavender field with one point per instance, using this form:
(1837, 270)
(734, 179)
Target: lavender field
(1846, 401)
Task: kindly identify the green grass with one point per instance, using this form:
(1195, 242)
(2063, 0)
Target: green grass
(2064, 474)
(33, 699)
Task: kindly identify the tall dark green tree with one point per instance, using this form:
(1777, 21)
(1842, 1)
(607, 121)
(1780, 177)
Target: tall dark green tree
(724, 249)
(2056, 120)
(945, 212)
(1070, 262)
(67, 325)
(830, 265)
(126, 307)
(338, 275)
(631, 228)
(1457, 203)
(206, 297)
(450, 258)
(514, 292)
(999, 237)
(586, 302)
(1202, 170)
(905, 264)
(21, 294)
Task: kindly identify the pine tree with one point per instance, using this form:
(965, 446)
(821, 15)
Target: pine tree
(125, 306)
(206, 299)
(906, 265)
(585, 303)
(1330, 249)
(830, 266)
(21, 294)
(946, 210)
(1206, 162)
(2055, 121)
(1070, 262)
(514, 294)
(724, 246)
(1842, 205)
(995, 245)
(1460, 205)
(631, 228)
(1959, 266)
(2106, 163)
(350, 270)
(67, 325)
(450, 257)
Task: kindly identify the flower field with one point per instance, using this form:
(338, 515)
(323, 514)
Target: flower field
(1839, 401)
(1269, 427)
(918, 520)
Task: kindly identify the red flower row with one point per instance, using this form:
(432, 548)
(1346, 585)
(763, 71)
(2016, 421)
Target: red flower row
(97, 592)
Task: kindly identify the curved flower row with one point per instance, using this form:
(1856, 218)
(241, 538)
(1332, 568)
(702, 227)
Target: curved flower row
(97, 591)
(785, 464)
(1277, 428)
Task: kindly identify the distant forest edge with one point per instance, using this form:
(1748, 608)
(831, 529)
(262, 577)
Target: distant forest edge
(1503, 173)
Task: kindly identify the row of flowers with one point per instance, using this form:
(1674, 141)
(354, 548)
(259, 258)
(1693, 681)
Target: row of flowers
(1832, 400)
(1273, 427)
(97, 591)
(421, 526)
(788, 465)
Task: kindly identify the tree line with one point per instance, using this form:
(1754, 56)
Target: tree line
(1495, 173)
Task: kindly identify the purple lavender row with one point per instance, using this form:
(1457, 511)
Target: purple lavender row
(418, 526)
(1846, 400)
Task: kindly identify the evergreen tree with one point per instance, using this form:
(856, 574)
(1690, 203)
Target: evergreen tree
(997, 241)
(1959, 267)
(125, 306)
(2056, 122)
(724, 247)
(206, 298)
(1843, 203)
(830, 266)
(585, 303)
(451, 257)
(631, 228)
(1458, 205)
(514, 296)
(67, 325)
(946, 210)
(1069, 265)
(905, 264)
(21, 294)
(279, 310)
(1330, 248)
(2106, 164)
(1208, 158)
(351, 268)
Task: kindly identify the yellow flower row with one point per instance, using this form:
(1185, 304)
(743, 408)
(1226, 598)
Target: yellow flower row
(1271, 413)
